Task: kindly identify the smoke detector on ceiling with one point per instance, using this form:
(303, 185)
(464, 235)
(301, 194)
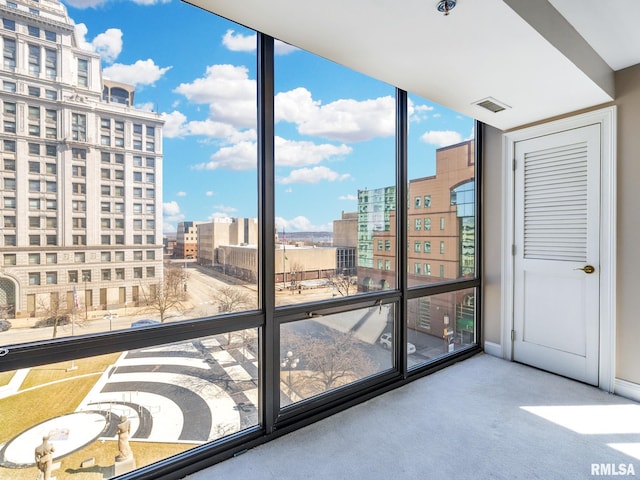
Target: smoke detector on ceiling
(445, 6)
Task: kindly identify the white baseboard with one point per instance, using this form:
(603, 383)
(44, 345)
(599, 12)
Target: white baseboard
(627, 389)
(494, 349)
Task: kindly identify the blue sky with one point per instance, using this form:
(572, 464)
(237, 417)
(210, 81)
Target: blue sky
(334, 127)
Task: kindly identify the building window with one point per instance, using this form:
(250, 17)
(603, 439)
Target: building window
(427, 224)
(427, 269)
(79, 257)
(151, 272)
(137, 272)
(34, 240)
(9, 24)
(34, 222)
(34, 259)
(34, 278)
(416, 246)
(83, 72)
(427, 201)
(442, 247)
(119, 273)
(441, 223)
(52, 258)
(427, 247)
(9, 54)
(417, 224)
(9, 259)
(50, 36)
(119, 256)
(52, 278)
(441, 271)
(416, 202)
(34, 60)
(416, 268)
(10, 240)
(9, 87)
(50, 63)
(151, 255)
(105, 256)
(105, 274)
(79, 239)
(79, 128)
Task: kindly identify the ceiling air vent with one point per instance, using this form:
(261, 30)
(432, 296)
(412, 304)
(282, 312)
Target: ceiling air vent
(492, 104)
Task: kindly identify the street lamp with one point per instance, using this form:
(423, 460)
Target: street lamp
(291, 363)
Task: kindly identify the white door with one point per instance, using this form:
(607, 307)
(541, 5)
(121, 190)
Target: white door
(556, 264)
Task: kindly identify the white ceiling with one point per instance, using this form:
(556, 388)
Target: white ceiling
(522, 53)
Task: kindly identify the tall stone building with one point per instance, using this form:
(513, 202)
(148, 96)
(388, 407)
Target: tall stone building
(80, 173)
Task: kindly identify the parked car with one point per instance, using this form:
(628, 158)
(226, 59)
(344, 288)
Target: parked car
(386, 341)
(145, 322)
(5, 325)
(51, 321)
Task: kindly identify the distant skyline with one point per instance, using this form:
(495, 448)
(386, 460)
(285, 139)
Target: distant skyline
(334, 127)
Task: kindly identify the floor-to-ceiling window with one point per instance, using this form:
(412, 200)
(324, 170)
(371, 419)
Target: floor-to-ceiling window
(244, 236)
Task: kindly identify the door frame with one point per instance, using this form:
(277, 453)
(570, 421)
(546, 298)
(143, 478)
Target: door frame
(606, 118)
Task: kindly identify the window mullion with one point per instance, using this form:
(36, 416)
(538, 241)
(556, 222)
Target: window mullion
(401, 225)
(270, 372)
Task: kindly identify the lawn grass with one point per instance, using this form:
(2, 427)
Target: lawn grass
(104, 454)
(50, 391)
(5, 377)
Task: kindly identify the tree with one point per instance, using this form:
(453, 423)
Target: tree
(169, 295)
(344, 284)
(231, 299)
(53, 311)
(332, 360)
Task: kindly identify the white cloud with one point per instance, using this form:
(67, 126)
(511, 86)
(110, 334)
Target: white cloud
(441, 138)
(237, 42)
(108, 44)
(81, 4)
(209, 193)
(301, 224)
(143, 72)
(241, 156)
(345, 120)
(147, 106)
(150, 2)
(290, 153)
(181, 194)
(174, 124)
(229, 92)
(349, 197)
(171, 215)
(282, 48)
(226, 209)
(313, 175)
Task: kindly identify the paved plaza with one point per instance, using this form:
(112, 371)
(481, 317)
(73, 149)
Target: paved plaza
(191, 392)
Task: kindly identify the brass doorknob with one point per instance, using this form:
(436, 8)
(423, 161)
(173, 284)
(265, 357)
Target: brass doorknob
(587, 269)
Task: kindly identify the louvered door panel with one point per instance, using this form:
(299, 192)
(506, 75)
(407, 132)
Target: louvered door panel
(555, 203)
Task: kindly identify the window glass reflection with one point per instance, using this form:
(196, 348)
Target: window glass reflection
(172, 397)
(328, 352)
(438, 325)
(335, 180)
(441, 206)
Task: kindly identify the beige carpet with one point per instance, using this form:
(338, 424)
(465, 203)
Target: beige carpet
(483, 418)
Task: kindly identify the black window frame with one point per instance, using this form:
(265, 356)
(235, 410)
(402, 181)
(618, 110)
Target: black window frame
(268, 319)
